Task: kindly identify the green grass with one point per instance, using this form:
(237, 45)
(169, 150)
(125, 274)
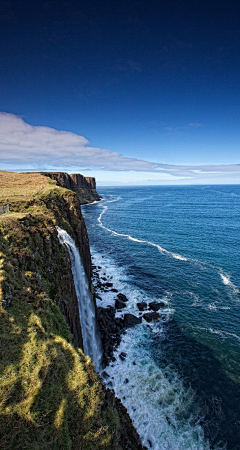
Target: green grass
(50, 395)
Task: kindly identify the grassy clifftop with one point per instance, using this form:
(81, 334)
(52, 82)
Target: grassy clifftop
(50, 395)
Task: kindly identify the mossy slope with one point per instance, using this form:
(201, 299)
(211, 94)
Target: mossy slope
(50, 395)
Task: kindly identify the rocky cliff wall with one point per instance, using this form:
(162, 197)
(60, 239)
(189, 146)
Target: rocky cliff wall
(85, 187)
(49, 391)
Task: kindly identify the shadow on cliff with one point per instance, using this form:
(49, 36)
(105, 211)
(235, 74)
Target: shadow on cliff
(51, 397)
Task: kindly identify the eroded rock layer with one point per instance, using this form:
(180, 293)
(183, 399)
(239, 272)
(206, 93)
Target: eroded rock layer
(85, 187)
(49, 391)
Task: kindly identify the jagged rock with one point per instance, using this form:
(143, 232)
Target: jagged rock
(85, 187)
(122, 356)
(155, 306)
(105, 374)
(151, 317)
(142, 306)
(120, 305)
(108, 284)
(130, 320)
(122, 297)
(110, 329)
(60, 207)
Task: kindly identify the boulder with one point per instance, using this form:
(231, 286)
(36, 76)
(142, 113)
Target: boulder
(122, 356)
(155, 306)
(119, 304)
(142, 306)
(122, 297)
(151, 316)
(130, 320)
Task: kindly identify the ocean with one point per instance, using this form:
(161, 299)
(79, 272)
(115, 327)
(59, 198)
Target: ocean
(180, 380)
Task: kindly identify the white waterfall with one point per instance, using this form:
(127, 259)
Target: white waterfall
(91, 342)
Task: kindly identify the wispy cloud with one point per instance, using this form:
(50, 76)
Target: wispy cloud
(189, 126)
(24, 146)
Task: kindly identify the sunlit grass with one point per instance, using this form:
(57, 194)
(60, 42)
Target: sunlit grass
(50, 395)
(15, 187)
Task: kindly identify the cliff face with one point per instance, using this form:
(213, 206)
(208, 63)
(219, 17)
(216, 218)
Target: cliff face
(85, 187)
(49, 391)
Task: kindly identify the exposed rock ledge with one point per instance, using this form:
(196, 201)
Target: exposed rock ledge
(50, 395)
(85, 187)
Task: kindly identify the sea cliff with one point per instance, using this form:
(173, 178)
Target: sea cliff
(85, 187)
(50, 394)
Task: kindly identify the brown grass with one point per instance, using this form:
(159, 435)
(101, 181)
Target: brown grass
(15, 187)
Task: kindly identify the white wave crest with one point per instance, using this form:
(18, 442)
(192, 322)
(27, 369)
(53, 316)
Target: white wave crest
(227, 282)
(131, 238)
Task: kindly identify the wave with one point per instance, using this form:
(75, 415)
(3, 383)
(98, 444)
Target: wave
(221, 333)
(233, 291)
(131, 238)
(225, 194)
(227, 282)
(164, 411)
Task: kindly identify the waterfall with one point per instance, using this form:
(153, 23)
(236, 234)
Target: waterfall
(91, 341)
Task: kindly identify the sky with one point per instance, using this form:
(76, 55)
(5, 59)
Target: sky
(140, 92)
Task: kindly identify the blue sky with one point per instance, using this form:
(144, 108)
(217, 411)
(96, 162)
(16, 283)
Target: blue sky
(115, 83)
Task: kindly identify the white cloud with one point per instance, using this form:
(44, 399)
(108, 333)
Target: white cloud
(189, 126)
(24, 146)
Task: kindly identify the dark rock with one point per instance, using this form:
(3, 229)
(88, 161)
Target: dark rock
(130, 320)
(98, 296)
(134, 363)
(108, 284)
(109, 330)
(84, 187)
(126, 380)
(129, 438)
(152, 316)
(114, 290)
(155, 306)
(119, 305)
(142, 306)
(105, 374)
(122, 297)
(122, 356)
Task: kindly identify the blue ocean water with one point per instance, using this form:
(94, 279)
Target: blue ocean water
(180, 245)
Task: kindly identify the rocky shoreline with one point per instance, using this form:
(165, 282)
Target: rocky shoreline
(111, 328)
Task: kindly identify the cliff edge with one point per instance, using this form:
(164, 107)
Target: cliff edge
(85, 187)
(50, 395)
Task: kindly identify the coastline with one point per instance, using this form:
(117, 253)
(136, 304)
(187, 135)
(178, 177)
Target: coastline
(215, 412)
(49, 388)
